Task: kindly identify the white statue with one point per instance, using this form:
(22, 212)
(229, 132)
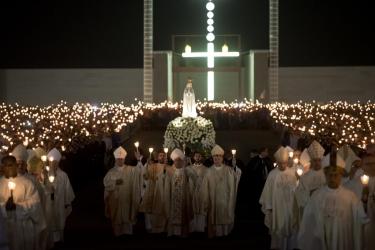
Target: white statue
(189, 107)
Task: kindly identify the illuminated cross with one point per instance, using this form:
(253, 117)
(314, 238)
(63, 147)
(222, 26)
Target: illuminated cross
(210, 54)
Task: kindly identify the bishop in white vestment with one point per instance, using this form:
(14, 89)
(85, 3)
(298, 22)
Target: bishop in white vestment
(153, 201)
(179, 189)
(313, 179)
(122, 193)
(60, 196)
(219, 195)
(199, 223)
(333, 218)
(19, 206)
(277, 202)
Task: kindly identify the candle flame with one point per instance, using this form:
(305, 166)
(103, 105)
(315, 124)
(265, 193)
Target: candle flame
(51, 178)
(365, 179)
(11, 185)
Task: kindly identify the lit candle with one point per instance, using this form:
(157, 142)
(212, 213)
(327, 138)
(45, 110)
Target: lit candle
(365, 179)
(50, 158)
(51, 178)
(166, 150)
(299, 171)
(274, 164)
(43, 158)
(150, 150)
(47, 168)
(136, 144)
(234, 152)
(296, 161)
(291, 154)
(11, 185)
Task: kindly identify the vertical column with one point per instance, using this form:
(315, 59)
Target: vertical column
(273, 74)
(210, 6)
(147, 50)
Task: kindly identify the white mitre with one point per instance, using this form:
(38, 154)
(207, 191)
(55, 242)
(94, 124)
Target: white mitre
(20, 153)
(282, 154)
(120, 153)
(348, 155)
(305, 159)
(55, 154)
(217, 150)
(177, 153)
(30, 154)
(315, 150)
(339, 161)
(40, 152)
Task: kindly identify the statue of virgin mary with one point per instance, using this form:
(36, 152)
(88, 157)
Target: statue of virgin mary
(189, 106)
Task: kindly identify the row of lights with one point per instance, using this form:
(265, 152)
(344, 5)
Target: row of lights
(68, 127)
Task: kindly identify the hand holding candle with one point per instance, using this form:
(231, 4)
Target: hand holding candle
(291, 154)
(11, 185)
(299, 172)
(365, 180)
(365, 190)
(10, 203)
(43, 158)
(51, 178)
(150, 150)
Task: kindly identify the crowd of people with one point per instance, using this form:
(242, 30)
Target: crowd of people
(308, 201)
(311, 203)
(178, 198)
(35, 199)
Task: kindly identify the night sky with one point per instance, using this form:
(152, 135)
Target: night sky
(109, 33)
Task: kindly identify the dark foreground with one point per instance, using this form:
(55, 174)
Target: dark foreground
(87, 228)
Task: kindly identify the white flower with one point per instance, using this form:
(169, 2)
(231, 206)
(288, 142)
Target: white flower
(189, 131)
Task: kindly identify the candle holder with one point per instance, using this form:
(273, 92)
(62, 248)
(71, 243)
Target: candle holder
(150, 150)
(136, 144)
(11, 186)
(234, 158)
(51, 179)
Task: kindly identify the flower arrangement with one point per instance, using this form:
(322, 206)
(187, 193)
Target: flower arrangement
(197, 134)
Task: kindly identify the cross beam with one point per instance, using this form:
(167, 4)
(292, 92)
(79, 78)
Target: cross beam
(210, 54)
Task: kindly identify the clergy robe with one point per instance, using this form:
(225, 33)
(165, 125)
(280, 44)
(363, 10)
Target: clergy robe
(21, 223)
(354, 184)
(3, 233)
(308, 183)
(370, 227)
(179, 190)
(219, 195)
(277, 201)
(41, 233)
(58, 209)
(122, 201)
(153, 199)
(199, 221)
(332, 220)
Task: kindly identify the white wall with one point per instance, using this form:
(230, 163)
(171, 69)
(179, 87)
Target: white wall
(327, 83)
(46, 86)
